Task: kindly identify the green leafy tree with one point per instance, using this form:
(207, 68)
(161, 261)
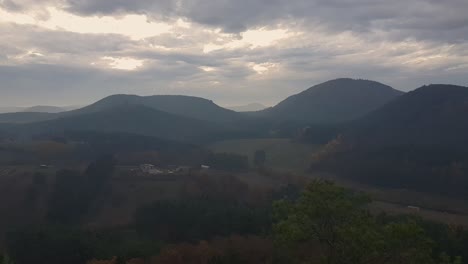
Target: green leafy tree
(405, 242)
(48, 246)
(446, 259)
(335, 222)
(4, 259)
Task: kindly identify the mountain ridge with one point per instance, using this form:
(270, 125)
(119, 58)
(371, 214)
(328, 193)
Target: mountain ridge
(189, 106)
(136, 119)
(247, 107)
(430, 115)
(335, 101)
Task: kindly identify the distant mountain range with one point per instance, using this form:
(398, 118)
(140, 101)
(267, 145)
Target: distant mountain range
(188, 106)
(12, 109)
(376, 113)
(186, 118)
(248, 107)
(192, 107)
(45, 109)
(416, 140)
(37, 109)
(136, 119)
(335, 101)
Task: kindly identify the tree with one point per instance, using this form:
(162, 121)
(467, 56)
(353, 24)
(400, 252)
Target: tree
(48, 245)
(99, 172)
(336, 222)
(198, 219)
(74, 193)
(228, 250)
(260, 158)
(4, 259)
(70, 199)
(446, 259)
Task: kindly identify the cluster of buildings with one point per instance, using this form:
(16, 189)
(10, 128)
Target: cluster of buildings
(154, 170)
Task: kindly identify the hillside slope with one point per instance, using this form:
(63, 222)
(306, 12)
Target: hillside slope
(335, 101)
(134, 119)
(44, 109)
(433, 115)
(188, 106)
(419, 142)
(26, 117)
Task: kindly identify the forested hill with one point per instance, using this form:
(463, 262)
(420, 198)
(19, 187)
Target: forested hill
(418, 141)
(134, 119)
(188, 106)
(433, 115)
(335, 101)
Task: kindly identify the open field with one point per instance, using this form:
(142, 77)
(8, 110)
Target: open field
(282, 154)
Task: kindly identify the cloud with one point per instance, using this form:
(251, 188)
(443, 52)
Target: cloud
(76, 51)
(423, 19)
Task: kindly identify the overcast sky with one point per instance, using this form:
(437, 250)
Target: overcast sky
(68, 52)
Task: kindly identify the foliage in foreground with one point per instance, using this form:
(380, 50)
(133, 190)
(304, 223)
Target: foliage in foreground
(336, 222)
(323, 224)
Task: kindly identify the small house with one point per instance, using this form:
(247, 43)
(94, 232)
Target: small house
(146, 168)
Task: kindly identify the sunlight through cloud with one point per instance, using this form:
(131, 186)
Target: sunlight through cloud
(134, 26)
(128, 64)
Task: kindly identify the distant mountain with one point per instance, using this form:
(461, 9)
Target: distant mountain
(37, 109)
(135, 119)
(44, 109)
(247, 108)
(31, 114)
(192, 107)
(12, 109)
(26, 117)
(335, 101)
(431, 115)
(418, 141)
(188, 106)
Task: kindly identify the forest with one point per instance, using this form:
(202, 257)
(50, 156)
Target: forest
(218, 219)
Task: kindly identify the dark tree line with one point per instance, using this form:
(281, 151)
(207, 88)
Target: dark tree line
(74, 192)
(322, 224)
(422, 168)
(200, 219)
(228, 162)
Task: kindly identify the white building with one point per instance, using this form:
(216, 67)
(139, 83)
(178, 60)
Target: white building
(146, 167)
